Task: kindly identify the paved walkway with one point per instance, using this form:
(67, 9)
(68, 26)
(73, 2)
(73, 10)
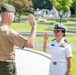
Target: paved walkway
(31, 62)
(42, 34)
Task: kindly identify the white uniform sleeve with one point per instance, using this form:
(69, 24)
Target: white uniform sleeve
(48, 47)
(68, 51)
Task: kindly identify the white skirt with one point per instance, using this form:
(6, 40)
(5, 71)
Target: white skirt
(57, 69)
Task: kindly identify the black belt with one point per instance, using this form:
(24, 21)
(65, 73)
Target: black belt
(55, 63)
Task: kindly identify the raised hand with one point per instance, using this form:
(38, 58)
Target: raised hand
(32, 20)
(46, 36)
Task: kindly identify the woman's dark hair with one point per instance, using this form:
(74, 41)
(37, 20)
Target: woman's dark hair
(63, 31)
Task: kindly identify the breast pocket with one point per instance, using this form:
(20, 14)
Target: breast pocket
(62, 51)
(54, 50)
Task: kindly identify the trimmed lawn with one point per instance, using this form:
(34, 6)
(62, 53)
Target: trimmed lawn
(73, 72)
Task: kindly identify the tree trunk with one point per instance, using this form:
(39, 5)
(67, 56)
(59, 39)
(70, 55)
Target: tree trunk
(75, 11)
(60, 18)
(60, 15)
(19, 18)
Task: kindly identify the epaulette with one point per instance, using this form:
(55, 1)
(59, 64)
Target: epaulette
(53, 39)
(66, 41)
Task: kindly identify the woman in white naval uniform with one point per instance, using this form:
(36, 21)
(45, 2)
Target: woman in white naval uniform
(61, 52)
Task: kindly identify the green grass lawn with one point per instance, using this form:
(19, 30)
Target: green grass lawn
(73, 72)
(20, 26)
(26, 27)
(69, 39)
(41, 28)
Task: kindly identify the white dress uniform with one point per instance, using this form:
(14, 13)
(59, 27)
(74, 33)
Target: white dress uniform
(59, 52)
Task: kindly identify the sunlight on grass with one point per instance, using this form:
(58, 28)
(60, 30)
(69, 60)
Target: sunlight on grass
(73, 72)
(69, 39)
(20, 27)
(71, 22)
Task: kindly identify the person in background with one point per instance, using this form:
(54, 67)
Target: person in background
(9, 39)
(61, 51)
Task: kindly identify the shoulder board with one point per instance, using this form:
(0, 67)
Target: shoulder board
(53, 39)
(66, 41)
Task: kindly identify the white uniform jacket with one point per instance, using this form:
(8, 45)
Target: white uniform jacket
(59, 52)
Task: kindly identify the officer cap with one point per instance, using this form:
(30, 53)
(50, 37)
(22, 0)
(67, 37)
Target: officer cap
(8, 8)
(60, 26)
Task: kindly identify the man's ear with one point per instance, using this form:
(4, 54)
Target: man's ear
(10, 17)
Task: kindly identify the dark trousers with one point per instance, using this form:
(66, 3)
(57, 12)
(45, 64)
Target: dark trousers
(7, 68)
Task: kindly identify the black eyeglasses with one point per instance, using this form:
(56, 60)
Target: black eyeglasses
(57, 31)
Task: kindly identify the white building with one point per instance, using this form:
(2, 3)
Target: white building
(48, 14)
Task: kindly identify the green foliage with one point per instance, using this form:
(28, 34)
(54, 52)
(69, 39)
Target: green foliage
(74, 4)
(62, 5)
(42, 4)
(21, 5)
(2, 1)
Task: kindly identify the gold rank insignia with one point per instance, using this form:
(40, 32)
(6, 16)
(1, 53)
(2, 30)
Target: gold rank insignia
(56, 26)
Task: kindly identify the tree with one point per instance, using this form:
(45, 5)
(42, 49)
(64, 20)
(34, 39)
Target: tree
(21, 6)
(74, 6)
(42, 4)
(62, 6)
(1, 2)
